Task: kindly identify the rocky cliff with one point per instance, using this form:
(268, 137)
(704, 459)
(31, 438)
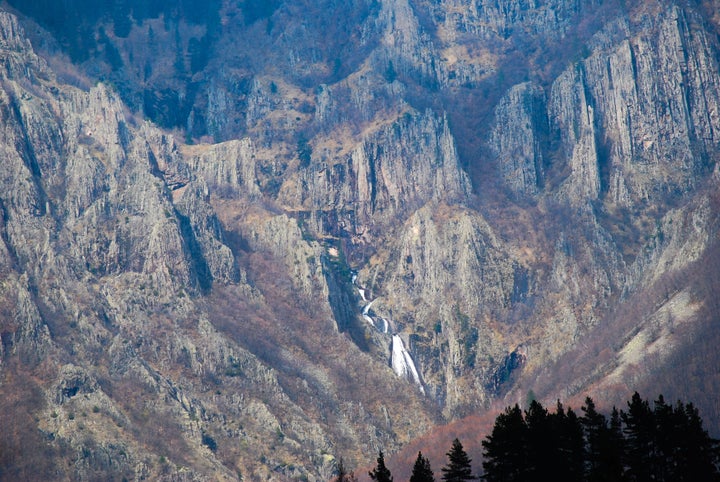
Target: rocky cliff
(371, 217)
(112, 254)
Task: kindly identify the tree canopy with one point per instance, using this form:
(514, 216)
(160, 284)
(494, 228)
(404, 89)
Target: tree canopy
(381, 473)
(458, 467)
(421, 470)
(662, 443)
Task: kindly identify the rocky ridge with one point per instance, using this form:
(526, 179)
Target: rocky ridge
(192, 306)
(110, 242)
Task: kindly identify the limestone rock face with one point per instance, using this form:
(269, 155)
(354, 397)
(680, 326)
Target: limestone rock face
(487, 18)
(281, 236)
(115, 253)
(245, 242)
(389, 174)
(642, 98)
(520, 123)
(229, 166)
(446, 252)
(575, 116)
(404, 166)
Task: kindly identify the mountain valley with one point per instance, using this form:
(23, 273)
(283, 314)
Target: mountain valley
(244, 240)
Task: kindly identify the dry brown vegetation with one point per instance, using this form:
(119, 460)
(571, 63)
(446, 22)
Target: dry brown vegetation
(318, 367)
(679, 347)
(25, 452)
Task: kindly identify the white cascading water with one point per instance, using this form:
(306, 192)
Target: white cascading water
(402, 363)
(366, 314)
(400, 359)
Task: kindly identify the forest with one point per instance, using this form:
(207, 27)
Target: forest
(662, 442)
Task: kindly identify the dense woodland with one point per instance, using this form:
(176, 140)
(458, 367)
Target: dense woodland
(662, 442)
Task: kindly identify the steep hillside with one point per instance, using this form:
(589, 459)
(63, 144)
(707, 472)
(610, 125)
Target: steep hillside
(154, 341)
(245, 239)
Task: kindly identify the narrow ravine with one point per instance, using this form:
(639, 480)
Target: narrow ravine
(401, 360)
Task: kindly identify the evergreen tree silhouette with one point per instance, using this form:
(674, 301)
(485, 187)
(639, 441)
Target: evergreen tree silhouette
(541, 449)
(639, 438)
(380, 472)
(505, 449)
(595, 428)
(602, 444)
(458, 467)
(421, 470)
(555, 444)
(696, 455)
(665, 436)
(569, 458)
(615, 447)
(341, 471)
(662, 444)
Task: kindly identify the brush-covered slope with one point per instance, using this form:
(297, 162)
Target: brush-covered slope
(248, 238)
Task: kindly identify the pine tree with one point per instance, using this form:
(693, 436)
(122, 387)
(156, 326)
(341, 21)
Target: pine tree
(458, 467)
(662, 444)
(594, 428)
(505, 449)
(603, 444)
(696, 454)
(421, 470)
(542, 443)
(380, 472)
(615, 448)
(640, 439)
(341, 472)
(570, 456)
(665, 439)
(555, 444)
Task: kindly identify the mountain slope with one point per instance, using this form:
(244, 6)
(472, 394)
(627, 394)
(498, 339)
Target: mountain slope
(114, 266)
(371, 225)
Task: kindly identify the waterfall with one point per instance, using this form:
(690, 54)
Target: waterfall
(400, 359)
(402, 363)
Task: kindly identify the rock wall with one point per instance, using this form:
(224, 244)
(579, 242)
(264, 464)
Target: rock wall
(500, 177)
(115, 250)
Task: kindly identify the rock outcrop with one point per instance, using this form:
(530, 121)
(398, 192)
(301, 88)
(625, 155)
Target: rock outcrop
(520, 124)
(111, 247)
(372, 217)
